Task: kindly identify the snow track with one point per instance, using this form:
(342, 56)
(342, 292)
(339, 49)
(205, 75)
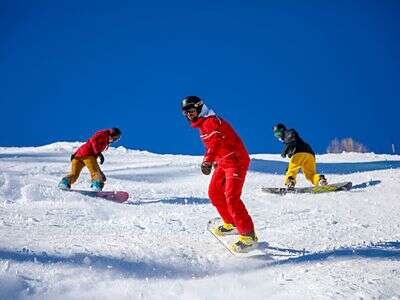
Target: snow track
(58, 245)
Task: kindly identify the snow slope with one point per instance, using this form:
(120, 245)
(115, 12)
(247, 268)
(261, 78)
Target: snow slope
(59, 245)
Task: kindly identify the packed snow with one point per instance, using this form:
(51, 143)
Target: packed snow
(62, 245)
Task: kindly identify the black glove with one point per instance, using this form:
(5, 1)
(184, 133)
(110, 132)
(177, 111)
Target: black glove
(101, 156)
(72, 156)
(206, 167)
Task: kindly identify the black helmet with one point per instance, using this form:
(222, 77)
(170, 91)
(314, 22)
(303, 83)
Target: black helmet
(116, 131)
(279, 130)
(115, 134)
(192, 102)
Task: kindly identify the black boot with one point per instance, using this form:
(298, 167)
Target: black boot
(290, 183)
(322, 180)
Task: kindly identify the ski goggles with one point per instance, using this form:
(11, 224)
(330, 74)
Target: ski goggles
(278, 133)
(189, 111)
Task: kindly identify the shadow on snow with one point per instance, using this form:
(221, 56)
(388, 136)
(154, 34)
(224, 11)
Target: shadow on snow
(174, 200)
(382, 250)
(366, 184)
(139, 269)
(151, 269)
(280, 167)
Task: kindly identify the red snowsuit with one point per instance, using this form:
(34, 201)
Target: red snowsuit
(95, 145)
(225, 148)
(87, 154)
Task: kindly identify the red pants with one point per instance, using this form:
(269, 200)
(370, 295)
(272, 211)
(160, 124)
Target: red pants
(224, 192)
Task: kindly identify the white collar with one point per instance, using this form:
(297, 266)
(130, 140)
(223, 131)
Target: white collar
(206, 112)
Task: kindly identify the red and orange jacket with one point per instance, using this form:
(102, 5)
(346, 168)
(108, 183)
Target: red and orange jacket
(223, 145)
(95, 145)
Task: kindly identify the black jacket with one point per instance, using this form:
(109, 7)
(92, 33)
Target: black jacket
(294, 144)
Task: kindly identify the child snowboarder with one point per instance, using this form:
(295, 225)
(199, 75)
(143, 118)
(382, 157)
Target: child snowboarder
(301, 157)
(227, 153)
(87, 155)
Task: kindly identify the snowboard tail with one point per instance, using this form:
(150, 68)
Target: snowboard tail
(335, 187)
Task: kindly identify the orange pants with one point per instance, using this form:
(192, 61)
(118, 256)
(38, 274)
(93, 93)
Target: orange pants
(307, 163)
(91, 163)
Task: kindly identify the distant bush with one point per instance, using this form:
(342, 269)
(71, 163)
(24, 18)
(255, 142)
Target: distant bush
(346, 145)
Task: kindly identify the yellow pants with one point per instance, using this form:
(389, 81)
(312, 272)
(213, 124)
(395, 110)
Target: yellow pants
(91, 163)
(307, 163)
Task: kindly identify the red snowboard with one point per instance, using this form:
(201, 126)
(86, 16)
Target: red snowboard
(115, 196)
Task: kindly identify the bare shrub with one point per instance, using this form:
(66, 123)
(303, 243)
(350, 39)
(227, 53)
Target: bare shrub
(345, 145)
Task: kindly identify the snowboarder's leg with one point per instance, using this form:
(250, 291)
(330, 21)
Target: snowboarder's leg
(95, 172)
(216, 193)
(309, 168)
(76, 168)
(235, 178)
(247, 241)
(294, 167)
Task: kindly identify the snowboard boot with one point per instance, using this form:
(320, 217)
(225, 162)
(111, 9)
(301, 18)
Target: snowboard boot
(245, 243)
(290, 183)
(97, 185)
(64, 184)
(225, 229)
(322, 180)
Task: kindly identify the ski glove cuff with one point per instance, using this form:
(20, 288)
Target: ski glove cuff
(206, 167)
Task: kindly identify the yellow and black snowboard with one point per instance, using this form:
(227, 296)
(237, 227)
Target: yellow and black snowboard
(335, 187)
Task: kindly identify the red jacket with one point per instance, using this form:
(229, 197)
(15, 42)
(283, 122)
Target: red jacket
(223, 145)
(95, 145)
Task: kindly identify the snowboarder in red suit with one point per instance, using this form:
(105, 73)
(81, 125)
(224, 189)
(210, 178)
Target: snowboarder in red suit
(227, 153)
(87, 155)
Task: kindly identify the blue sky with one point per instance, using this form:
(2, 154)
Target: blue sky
(327, 68)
